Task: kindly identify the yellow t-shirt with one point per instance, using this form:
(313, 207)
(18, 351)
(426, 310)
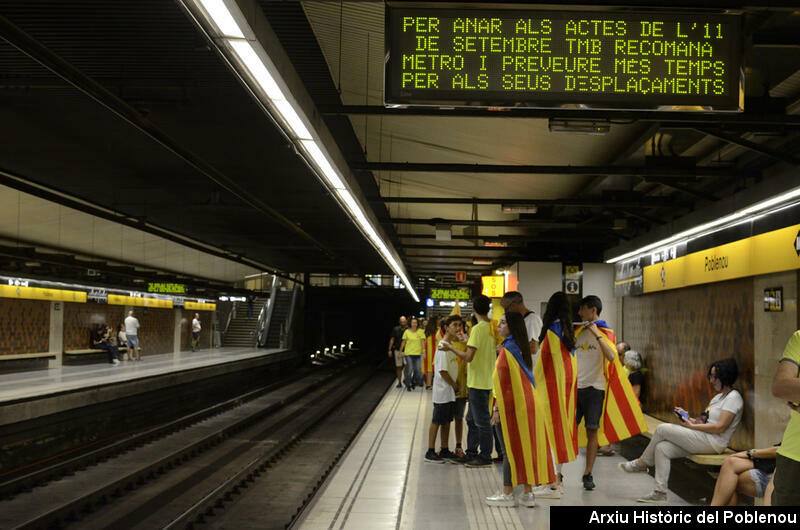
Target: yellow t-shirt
(479, 374)
(790, 447)
(414, 341)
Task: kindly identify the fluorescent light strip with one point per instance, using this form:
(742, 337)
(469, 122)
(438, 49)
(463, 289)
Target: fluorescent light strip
(699, 231)
(255, 59)
(222, 17)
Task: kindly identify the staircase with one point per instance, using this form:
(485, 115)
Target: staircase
(242, 329)
(280, 314)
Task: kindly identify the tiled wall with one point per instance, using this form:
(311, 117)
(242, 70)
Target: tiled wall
(24, 326)
(682, 332)
(80, 319)
(156, 331)
(186, 329)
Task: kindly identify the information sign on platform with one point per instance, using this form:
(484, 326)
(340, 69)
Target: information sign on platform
(493, 286)
(496, 56)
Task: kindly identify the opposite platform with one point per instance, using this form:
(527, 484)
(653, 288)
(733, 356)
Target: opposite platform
(383, 481)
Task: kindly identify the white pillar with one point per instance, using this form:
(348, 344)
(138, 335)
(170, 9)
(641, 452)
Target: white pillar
(56, 344)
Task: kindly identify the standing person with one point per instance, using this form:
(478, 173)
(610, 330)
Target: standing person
(592, 348)
(710, 432)
(432, 338)
(555, 373)
(517, 417)
(480, 355)
(250, 306)
(413, 340)
(512, 302)
(132, 334)
(445, 387)
(100, 340)
(786, 386)
(196, 328)
(395, 339)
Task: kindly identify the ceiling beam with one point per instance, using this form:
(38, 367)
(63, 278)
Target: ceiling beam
(530, 223)
(631, 171)
(461, 247)
(753, 146)
(650, 202)
(752, 121)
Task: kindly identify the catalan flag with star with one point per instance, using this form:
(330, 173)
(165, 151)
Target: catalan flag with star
(521, 419)
(622, 414)
(556, 377)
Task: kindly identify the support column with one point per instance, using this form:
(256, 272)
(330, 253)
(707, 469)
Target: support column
(176, 341)
(56, 344)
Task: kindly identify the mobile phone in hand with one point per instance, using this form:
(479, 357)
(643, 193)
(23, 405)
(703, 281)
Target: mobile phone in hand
(681, 415)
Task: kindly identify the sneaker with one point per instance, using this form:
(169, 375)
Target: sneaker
(502, 500)
(653, 496)
(428, 387)
(478, 462)
(527, 500)
(632, 466)
(399, 385)
(588, 482)
(459, 452)
(115, 362)
(433, 458)
(546, 492)
(408, 389)
(446, 454)
(607, 452)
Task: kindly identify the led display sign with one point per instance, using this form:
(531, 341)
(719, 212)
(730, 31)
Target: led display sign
(505, 57)
(166, 288)
(450, 294)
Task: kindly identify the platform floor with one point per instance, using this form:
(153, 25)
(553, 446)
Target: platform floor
(384, 482)
(36, 383)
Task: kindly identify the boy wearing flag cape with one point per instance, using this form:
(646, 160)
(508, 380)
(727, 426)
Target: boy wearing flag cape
(605, 398)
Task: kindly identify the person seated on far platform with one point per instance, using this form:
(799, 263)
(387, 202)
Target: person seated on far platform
(747, 472)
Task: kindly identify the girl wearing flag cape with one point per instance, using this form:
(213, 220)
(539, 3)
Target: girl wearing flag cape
(518, 418)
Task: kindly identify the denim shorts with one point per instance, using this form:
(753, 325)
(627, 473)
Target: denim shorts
(133, 341)
(760, 479)
(443, 413)
(590, 406)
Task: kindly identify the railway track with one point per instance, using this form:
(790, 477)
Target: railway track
(187, 471)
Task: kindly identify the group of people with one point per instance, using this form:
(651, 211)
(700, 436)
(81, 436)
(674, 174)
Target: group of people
(530, 383)
(127, 336)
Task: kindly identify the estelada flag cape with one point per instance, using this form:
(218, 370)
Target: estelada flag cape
(556, 378)
(622, 414)
(521, 419)
(430, 344)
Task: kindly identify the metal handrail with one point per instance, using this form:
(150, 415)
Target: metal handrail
(265, 315)
(290, 318)
(230, 317)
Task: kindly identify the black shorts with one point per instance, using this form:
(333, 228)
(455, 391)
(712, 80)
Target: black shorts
(461, 406)
(590, 406)
(443, 413)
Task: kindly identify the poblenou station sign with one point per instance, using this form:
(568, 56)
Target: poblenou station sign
(766, 253)
(496, 55)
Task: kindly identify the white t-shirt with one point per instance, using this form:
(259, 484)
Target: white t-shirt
(195, 325)
(591, 361)
(445, 361)
(734, 404)
(131, 326)
(533, 325)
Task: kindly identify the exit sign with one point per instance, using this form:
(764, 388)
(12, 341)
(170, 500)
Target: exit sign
(461, 276)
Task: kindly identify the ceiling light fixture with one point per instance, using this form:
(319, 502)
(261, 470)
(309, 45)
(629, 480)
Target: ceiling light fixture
(232, 34)
(711, 226)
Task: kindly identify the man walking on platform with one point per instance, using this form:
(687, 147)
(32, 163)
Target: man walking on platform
(481, 356)
(786, 386)
(395, 340)
(512, 303)
(132, 334)
(592, 349)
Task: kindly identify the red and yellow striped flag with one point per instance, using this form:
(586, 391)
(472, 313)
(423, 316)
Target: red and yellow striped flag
(556, 377)
(522, 421)
(431, 341)
(622, 413)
